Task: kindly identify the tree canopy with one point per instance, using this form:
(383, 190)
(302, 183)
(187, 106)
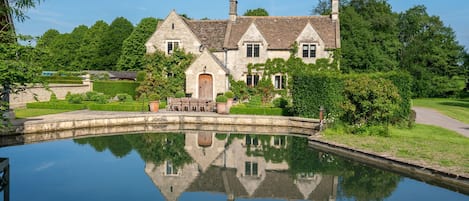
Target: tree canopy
(256, 12)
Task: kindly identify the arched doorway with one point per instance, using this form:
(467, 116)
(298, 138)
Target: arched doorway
(205, 87)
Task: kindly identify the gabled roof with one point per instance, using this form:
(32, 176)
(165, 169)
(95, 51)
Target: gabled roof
(210, 32)
(281, 32)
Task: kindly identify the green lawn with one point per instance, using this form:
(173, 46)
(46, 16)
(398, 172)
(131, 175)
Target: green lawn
(454, 108)
(25, 113)
(424, 144)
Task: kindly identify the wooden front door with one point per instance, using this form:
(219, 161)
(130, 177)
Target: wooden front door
(206, 87)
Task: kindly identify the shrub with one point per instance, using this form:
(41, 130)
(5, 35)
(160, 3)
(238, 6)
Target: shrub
(112, 88)
(75, 99)
(124, 98)
(229, 94)
(254, 101)
(369, 101)
(68, 95)
(53, 97)
(91, 96)
(154, 97)
(180, 94)
(221, 99)
(141, 76)
(62, 105)
(102, 99)
(280, 102)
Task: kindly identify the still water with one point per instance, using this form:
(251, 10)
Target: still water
(200, 166)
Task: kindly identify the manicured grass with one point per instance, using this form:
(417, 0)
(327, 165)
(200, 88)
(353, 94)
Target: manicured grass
(25, 113)
(424, 144)
(454, 108)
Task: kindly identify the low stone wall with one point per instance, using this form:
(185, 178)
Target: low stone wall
(60, 90)
(145, 121)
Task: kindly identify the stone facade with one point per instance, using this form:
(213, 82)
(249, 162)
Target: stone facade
(227, 47)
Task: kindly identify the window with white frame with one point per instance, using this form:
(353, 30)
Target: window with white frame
(251, 168)
(279, 141)
(280, 82)
(252, 80)
(171, 170)
(171, 45)
(252, 140)
(309, 50)
(252, 49)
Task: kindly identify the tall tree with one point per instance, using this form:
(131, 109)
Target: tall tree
(15, 60)
(430, 52)
(133, 48)
(91, 47)
(323, 8)
(256, 12)
(373, 43)
(111, 44)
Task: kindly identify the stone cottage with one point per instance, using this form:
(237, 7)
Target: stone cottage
(226, 47)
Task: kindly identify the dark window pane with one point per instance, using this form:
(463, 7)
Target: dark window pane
(248, 140)
(284, 81)
(254, 169)
(249, 80)
(305, 51)
(256, 50)
(255, 141)
(249, 50)
(256, 80)
(313, 51)
(247, 166)
(170, 47)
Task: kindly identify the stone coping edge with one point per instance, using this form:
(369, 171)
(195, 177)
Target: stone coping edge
(162, 119)
(459, 183)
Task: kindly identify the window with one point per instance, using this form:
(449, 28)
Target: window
(252, 50)
(279, 141)
(172, 45)
(170, 169)
(251, 169)
(309, 51)
(252, 80)
(252, 140)
(280, 82)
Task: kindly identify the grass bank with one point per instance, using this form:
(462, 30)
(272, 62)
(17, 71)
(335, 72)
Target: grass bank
(426, 145)
(25, 113)
(454, 108)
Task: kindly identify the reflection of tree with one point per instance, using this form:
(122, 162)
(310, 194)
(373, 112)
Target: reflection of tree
(118, 145)
(155, 148)
(368, 183)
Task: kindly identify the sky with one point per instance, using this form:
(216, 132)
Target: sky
(64, 15)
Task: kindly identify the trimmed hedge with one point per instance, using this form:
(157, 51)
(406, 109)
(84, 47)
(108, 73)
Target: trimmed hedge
(112, 88)
(311, 91)
(127, 107)
(63, 79)
(257, 111)
(62, 105)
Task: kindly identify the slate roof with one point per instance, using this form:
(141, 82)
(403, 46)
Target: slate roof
(211, 33)
(279, 32)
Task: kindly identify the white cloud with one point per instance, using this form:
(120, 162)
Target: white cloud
(44, 166)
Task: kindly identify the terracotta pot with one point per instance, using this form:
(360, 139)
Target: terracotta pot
(229, 103)
(154, 106)
(222, 108)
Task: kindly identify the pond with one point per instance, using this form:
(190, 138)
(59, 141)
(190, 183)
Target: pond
(200, 166)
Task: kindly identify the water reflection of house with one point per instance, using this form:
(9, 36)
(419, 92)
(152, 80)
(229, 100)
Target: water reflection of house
(234, 172)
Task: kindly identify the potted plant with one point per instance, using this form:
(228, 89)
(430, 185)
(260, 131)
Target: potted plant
(154, 102)
(229, 95)
(221, 104)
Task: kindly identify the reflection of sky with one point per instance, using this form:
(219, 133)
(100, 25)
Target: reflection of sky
(63, 170)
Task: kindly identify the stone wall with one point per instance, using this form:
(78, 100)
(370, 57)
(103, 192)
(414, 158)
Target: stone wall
(60, 90)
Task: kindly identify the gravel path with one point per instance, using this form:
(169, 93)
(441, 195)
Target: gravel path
(433, 117)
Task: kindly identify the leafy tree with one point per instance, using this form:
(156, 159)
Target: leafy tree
(323, 8)
(91, 46)
(256, 12)
(111, 45)
(16, 61)
(430, 50)
(369, 37)
(133, 49)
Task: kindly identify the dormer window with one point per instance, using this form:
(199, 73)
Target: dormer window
(171, 46)
(252, 49)
(309, 50)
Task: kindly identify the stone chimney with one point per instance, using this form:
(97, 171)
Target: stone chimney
(335, 10)
(233, 10)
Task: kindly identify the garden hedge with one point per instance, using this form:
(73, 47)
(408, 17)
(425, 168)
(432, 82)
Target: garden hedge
(311, 91)
(112, 88)
(62, 105)
(257, 111)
